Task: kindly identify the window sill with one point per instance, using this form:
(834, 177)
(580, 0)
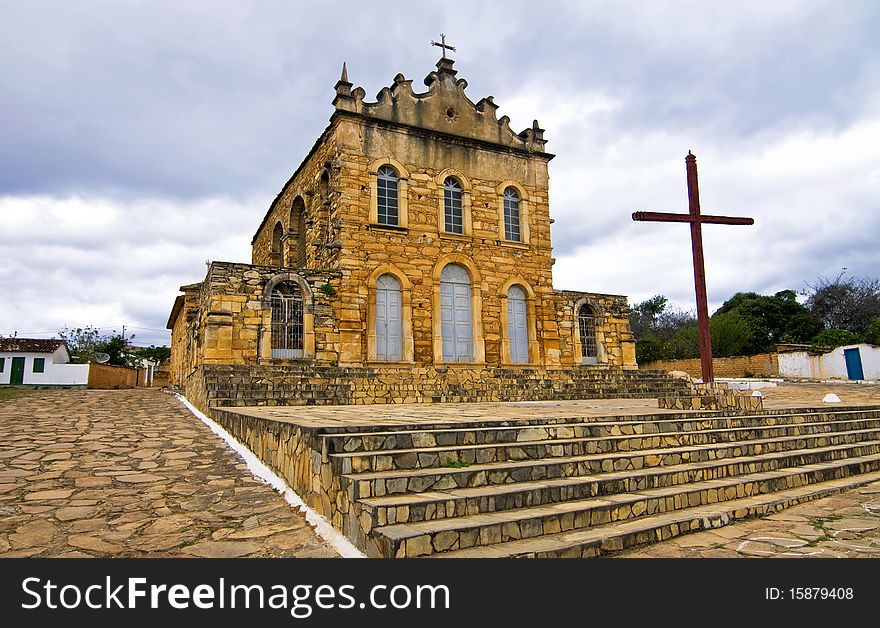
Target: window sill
(380, 364)
(461, 237)
(513, 245)
(393, 228)
(282, 361)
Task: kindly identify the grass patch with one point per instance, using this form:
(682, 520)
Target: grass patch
(451, 463)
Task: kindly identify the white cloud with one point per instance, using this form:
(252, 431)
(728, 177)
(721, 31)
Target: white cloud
(79, 261)
(132, 154)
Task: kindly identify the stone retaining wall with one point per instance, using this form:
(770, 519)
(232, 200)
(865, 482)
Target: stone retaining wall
(759, 365)
(239, 385)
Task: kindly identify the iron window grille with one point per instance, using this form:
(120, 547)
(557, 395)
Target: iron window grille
(287, 322)
(587, 329)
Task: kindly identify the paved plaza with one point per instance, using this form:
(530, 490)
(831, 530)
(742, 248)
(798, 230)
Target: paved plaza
(134, 473)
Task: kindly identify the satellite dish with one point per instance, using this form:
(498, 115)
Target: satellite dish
(102, 358)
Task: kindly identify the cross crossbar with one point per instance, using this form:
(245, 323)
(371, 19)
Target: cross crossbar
(669, 217)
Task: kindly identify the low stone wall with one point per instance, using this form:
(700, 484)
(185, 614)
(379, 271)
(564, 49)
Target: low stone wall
(111, 376)
(759, 365)
(241, 385)
(713, 399)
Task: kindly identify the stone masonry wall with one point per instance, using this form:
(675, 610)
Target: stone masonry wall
(760, 365)
(185, 339)
(416, 252)
(318, 196)
(612, 330)
(235, 319)
(231, 385)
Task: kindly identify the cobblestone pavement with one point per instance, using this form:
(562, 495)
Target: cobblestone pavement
(791, 394)
(132, 473)
(841, 526)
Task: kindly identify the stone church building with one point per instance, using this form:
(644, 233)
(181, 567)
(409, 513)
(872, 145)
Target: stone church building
(407, 258)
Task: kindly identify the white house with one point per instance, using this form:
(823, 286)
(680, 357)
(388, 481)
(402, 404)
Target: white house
(39, 362)
(855, 362)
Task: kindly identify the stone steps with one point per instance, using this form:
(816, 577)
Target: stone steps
(662, 444)
(490, 529)
(456, 502)
(477, 432)
(507, 488)
(560, 486)
(603, 539)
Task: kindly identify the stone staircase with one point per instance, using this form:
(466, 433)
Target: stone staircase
(586, 486)
(269, 385)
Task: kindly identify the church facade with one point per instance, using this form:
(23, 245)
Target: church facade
(414, 234)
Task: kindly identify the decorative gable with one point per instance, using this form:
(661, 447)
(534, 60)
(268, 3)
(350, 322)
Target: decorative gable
(444, 108)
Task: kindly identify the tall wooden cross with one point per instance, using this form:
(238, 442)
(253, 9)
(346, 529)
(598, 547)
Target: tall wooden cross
(443, 45)
(696, 221)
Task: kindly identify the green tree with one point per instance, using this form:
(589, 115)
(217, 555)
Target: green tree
(658, 330)
(845, 302)
(81, 343)
(836, 338)
(84, 343)
(873, 333)
(768, 320)
(116, 346)
(157, 354)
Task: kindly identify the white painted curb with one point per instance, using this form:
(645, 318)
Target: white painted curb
(322, 527)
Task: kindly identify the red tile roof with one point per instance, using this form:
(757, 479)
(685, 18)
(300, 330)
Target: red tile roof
(30, 345)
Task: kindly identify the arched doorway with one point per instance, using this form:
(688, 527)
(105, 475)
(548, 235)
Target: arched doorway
(455, 314)
(389, 333)
(517, 325)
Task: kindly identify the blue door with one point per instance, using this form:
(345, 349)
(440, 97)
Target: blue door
(388, 323)
(853, 364)
(516, 325)
(455, 314)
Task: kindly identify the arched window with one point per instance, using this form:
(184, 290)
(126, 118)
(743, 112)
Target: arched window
(297, 241)
(389, 332)
(452, 204)
(587, 331)
(517, 325)
(455, 314)
(387, 197)
(275, 257)
(512, 227)
(287, 321)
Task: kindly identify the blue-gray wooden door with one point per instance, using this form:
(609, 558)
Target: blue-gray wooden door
(389, 347)
(853, 363)
(516, 325)
(455, 314)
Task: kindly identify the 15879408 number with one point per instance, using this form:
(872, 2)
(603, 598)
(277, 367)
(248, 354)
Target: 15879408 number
(820, 593)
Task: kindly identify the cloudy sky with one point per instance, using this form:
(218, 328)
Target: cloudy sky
(140, 139)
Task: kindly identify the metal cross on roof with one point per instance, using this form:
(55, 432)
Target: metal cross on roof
(443, 45)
